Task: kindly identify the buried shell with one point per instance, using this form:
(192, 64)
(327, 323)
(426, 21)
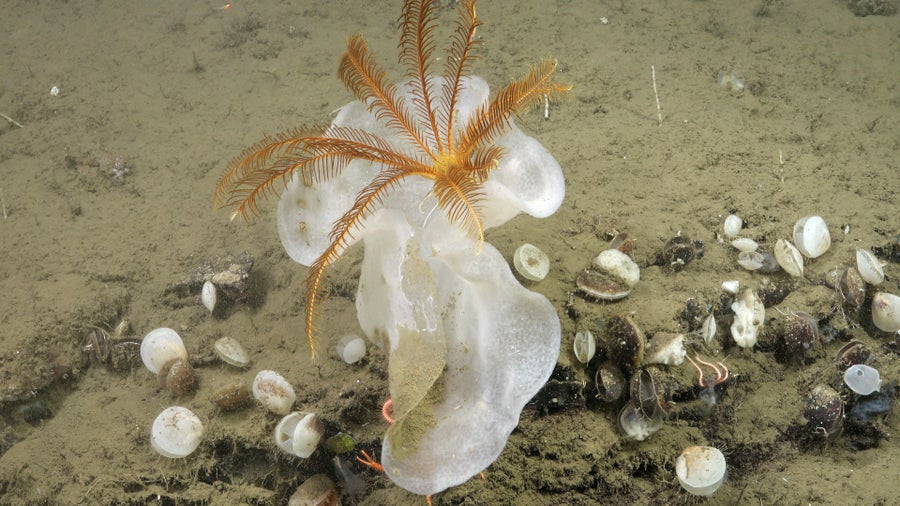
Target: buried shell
(825, 412)
(852, 353)
(636, 425)
(800, 333)
(609, 382)
(679, 251)
(231, 397)
(318, 490)
(601, 286)
(625, 342)
(649, 394)
(852, 287)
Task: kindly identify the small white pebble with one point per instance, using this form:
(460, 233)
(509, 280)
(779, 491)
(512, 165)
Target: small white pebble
(54, 91)
(604, 20)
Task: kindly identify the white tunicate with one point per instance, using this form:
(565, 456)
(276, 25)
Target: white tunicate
(274, 392)
(749, 314)
(176, 432)
(160, 347)
(701, 469)
(886, 311)
(665, 348)
(869, 267)
(732, 225)
(585, 346)
(862, 379)
(351, 348)
(811, 236)
(232, 352)
(620, 265)
(745, 244)
(531, 263)
(731, 286)
(208, 296)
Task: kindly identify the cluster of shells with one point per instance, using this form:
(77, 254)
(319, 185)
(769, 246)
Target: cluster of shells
(634, 370)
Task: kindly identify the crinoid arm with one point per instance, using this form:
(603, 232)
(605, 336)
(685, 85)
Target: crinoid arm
(492, 119)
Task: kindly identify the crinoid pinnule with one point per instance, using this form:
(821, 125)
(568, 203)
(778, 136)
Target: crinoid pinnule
(424, 136)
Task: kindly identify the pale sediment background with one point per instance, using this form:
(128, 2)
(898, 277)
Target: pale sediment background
(108, 203)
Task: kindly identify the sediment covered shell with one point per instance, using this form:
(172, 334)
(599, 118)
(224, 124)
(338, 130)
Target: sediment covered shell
(274, 392)
(232, 352)
(886, 311)
(824, 411)
(852, 287)
(665, 348)
(231, 397)
(701, 469)
(609, 382)
(626, 342)
(177, 377)
(800, 332)
(318, 490)
(531, 263)
(679, 251)
(852, 353)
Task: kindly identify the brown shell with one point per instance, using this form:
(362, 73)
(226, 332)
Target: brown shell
(609, 382)
(801, 332)
(601, 286)
(852, 287)
(852, 353)
(648, 393)
(231, 397)
(825, 412)
(625, 342)
(177, 377)
(318, 490)
(679, 251)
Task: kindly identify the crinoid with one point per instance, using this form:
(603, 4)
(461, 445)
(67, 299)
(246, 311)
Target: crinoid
(427, 139)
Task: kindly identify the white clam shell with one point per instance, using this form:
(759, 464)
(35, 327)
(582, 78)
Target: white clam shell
(161, 346)
(886, 311)
(745, 244)
(708, 331)
(531, 263)
(299, 434)
(585, 346)
(208, 296)
(869, 267)
(789, 258)
(351, 348)
(620, 265)
(231, 351)
(701, 469)
(176, 432)
(751, 260)
(731, 286)
(274, 392)
(732, 225)
(811, 236)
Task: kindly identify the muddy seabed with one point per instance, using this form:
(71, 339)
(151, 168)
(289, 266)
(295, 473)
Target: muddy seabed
(108, 189)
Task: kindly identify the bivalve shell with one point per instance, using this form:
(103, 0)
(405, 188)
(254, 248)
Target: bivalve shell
(208, 296)
(751, 260)
(869, 267)
(609, 382)
(351, 348)
(852, 287)
(299, 434)
(176, 432)
(732, 225)
(625, 342)
(620, 265)
(886, 311)
(801, 332)
(231, 397)
(585, 346)
(318, 490)
(232, 352)
(531, 263)
(601, 286)
(745, 244)
(825, 411)
(811, 236)
(177, 377)
(160, 347)
(789, 258)
(700, 469)
(635, 425)
(852, 353)
(274, 392)
(679, 251)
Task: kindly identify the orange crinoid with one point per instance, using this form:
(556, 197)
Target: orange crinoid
(427, 138)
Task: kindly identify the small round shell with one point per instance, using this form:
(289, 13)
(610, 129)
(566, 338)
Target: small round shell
(232, 352)
(531, 263)
(811, 236)
(732, 225)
